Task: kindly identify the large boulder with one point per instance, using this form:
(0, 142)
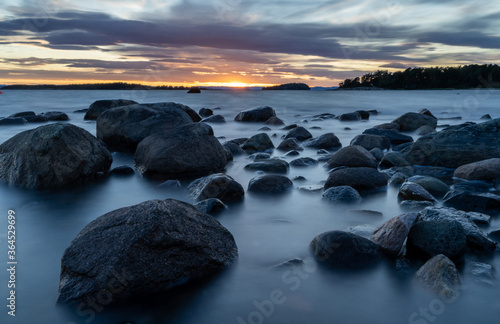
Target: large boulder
(412, 121)
(469, 201)
(154, 246)
(52, 157)
(342, 194)
(100, 106)
(326, 141)
(457, 145)
(427, 239)
(358, 178)
(352, 156)
(487, 170)
(476, 239)
(395, 137)
(220, 186)
(413, 191)
(354, 116)
(440, 275)
(270, 184)
(258, 143)
(391, 235)
(345, 250)
(122, 128)
(369, 141)
(259, 114)
(299, 133)
(187, 151)
(434, 186)
(269, 165)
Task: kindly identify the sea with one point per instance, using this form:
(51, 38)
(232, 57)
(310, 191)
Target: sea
(268, 230)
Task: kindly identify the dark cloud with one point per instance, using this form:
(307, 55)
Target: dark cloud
(78, 38)
(471, 39)
(82, 63)
(395, 65)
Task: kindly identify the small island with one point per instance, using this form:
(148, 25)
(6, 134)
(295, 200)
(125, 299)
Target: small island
(289, 86)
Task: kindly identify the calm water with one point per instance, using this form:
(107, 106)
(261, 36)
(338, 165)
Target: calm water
(267, 231)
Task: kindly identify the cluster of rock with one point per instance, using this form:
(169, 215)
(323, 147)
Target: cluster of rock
(26, 117)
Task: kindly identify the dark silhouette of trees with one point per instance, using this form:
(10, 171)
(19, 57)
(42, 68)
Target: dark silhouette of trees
(93, 86)
(461, 77)
(289, 86)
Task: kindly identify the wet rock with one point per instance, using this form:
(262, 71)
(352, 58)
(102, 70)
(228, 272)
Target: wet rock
(495, 235)
(412, 121)
(393, 159)
(476, 239)
(292, 153)
(456, 146)
(122, 128)
(55, 116)
(482, 272)
(13, 121)
(342, 194)
(100, 106)
(122, 170)
(274, 121)
(363, 230)
(486, 117)
(389, 126)
(325, 116)
(377, 154)
(304, 162)
(441, 173)
(430, 238)
(155, 245)
(187, 151)
(326, 141)
(352, 156)
(415, 205)
(216, 119)
(30, 117)
(354, 116)
(289, 144)
(469, 201)
(391, 235)
(413, 191)
(487, 170)
(364, 114)
(259, 114)
(427, 112)
(358, 178)
(81, 111)
(205, 112)
(397, 179)
(289, 127)
(258, 143)
(270, 184)
(365, 212)
(401, 147)
(219, 185)
(370, 142)
(235, 149)
(299, 179)
(170, 185)
(345, 250)
(211, 206)
(311, 189)
(271, 166)
(474, 186)
(299, 133)
(424, 130)
(293, 263)
(52, 157)
(434, 186)
(440, 275)
(264, 129)
(395, 137)
(259, 156)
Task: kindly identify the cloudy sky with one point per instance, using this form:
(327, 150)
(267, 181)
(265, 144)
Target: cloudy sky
(236, 42)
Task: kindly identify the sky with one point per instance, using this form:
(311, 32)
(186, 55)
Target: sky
(238, 42)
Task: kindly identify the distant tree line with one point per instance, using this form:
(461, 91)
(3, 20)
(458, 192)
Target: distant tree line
(461, 77)
(93, 86)
(289, 86)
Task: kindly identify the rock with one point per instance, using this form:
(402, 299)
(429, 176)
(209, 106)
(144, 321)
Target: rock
(295, 263)
(154, 246)
(363, 230)
(474, 186)
(30, 117)
(122, 170)
(259, 156)
(482, 273)
(435, 172)
(495, 235)
(342, 194)
(434, 186)
(365, 115)
(13, 121)
(425, 111)
(486, 117)
(239, 141)
(229, 155)
(299, 179)
(216, 119)
(440, 275)
(38, 119)
(430, 238)
(394, 137)
(270, 184)
(397, 179)
(456, 146)
(402, 147)
(393, 159)
(487, 170)
(476, 239)
(235, 149)
(415, 205)
(365, 212)
(292, 153)
(81, 111)
(310, 189)
(205, 112)
(170, 185)
(122, 128)
(391, 235)
(271, 166)
(187, 151)
(289, 127)
(259, 114)
(479, 219)
(220, 186)
(358, 178)
(377, 154)
(52, 157)
(325, 116)
(100, 106)
(264, 129)
(388, 126)
(370, 142)
(352, 156)
(424, 130)
(412, 121)
(299, 133)
(258, 143)
(469, 201)
(289, 144)
(211, 206)
(355, 116)
(55, 116)
(326, 141)
(274, 121)
(304, 162)
(413, 191)
(345, 250)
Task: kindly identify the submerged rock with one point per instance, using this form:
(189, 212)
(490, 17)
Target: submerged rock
(220, 186)
(441, 276)
(289, 145)
(412, 121)
(391, 235)
(487, 170)
(270, 184)
(52, 157)
(326, 141)
(270, 165)
(216, 119)
(342, 194)
(434, 186)
(304, 162)
(258, 143)
(394, 159)
(413, 191)
(274, 121)
(395, 137)
(13, 121)
(354, 116)
(259, 114)
(358, 178)
(369, 141)
(352, 156)
(123, 170)
(205, 112)
(100, 106)
(299, 133)
(154, 246)
(211, 206)
(55, 116)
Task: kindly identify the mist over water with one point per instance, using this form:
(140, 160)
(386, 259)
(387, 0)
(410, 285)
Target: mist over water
(267, 230)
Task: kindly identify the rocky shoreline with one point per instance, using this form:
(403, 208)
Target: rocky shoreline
(446, 179)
